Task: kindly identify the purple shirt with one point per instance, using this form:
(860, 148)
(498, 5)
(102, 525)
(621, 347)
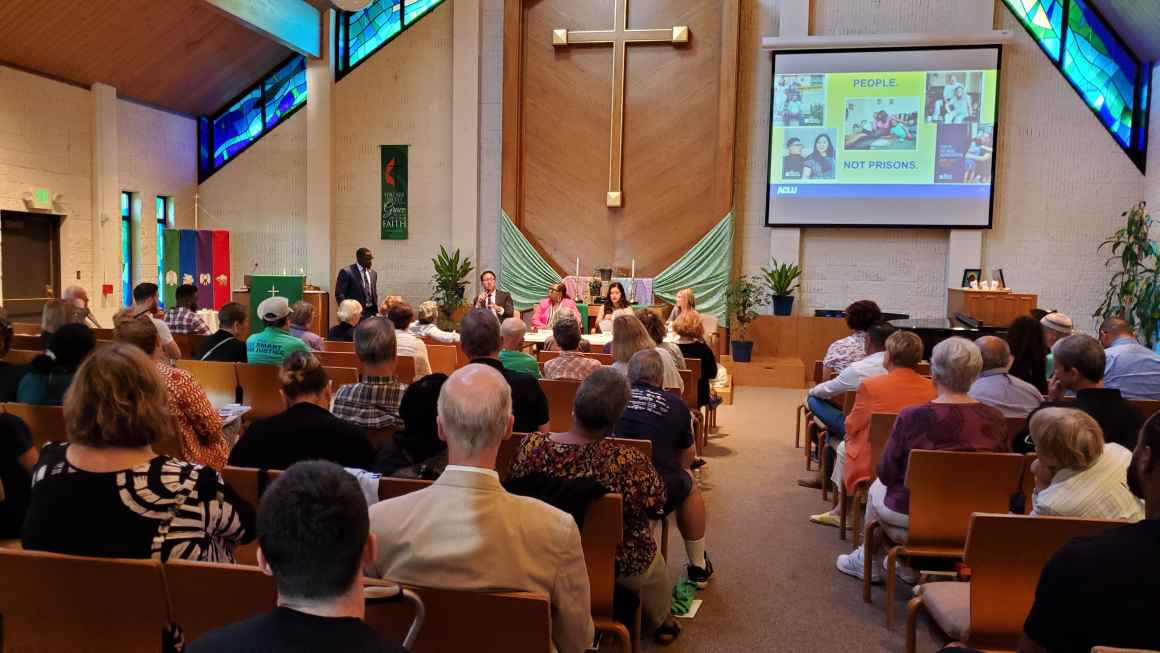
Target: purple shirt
(938, 427)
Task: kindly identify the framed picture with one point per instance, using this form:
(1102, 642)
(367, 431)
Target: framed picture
(972, 274)
(997, 275)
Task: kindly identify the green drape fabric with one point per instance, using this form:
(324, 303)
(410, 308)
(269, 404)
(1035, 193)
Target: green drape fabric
(522, 271)
(705, 268)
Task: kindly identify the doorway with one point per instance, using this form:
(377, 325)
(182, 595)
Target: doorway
(29, 262)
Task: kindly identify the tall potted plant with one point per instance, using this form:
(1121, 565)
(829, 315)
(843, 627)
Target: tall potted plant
(781, 281)
(1134, 290)
(743, 297)
(449, 280)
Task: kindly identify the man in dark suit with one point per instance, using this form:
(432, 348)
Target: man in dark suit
(498, 301)
(359, 282)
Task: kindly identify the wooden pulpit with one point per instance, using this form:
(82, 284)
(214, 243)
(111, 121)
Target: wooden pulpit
(993, 307)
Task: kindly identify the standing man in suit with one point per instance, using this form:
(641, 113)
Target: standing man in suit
(498, 301)
(359, 282)
(466, 532)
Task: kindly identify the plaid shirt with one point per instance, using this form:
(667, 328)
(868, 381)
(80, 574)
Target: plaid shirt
(570, 365)
(183, 320)
(372, 404)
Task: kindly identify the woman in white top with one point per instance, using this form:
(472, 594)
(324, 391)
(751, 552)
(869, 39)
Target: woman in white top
(407, 343)
(426, 327)
(1076, 473)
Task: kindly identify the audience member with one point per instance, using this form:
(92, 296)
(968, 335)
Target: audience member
(1076, 474)
(18, 456)
(273, 344)
(1079, 368)
(607, 349)
(823, 398)
(305, 430)
(657, 415)
(10, 373)
(301, 319)
(48, 375)
(570, 364)
(628, 337)
(373, 402)
(1131, 368)
(1056, 326)
(953, 421)
(79, 297)
(55, 314)
(1101, 590)
(480, 342)
(691, 339)
(105, 493)
(198, 424)
(466, 532)
(146, 305)
(685, 301)
(349, 314)
(657, 330)
(182, 317)
(586, 452)
(389, 303)
(843, 352)
(511, 354)
(416, 451)
(406, 343)
(224, 345)
(426, 327)
(900, 387)
(1028, 352)
(996, 387)
(314, 540)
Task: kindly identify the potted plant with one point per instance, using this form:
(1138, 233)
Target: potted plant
(1134, 290)
(781, 281)
(743, 297)
(449, 280)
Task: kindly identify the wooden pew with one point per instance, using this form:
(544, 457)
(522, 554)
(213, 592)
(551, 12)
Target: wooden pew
(21, 356)
(560, 393)
(45, 422)
(206, 595)
(481, 622)
(219, 380)
(338, 345)
(27, 343)
(340, 376)
(1006, 554)
(188, 343)
(1147, 407)
(404, 365)
(260, 390)
(545, 356)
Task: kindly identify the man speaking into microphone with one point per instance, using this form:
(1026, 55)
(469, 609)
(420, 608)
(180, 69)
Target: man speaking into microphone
(498, 301)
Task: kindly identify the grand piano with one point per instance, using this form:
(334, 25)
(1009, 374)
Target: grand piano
(935, 330)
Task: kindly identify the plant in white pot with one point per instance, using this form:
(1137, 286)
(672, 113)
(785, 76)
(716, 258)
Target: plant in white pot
(744, 296)
(781, 280)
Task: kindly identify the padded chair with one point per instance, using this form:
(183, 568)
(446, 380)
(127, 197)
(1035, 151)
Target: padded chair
(441, 357)
(1006, 554)
(197, 590)
(946, 487)
(818, 443)
(45, 422)
(881, 424)
(803, 411)
(560, 393)
(219, 380)
(57, 602)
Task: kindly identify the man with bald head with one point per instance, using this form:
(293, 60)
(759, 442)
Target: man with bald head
(511, 333)
(1013, 396)
(465, 532)
(1131, 368)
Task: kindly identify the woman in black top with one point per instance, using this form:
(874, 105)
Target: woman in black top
(1028, 352)
(48, 376)
(349, 314)
(306, 430)
(10, 374)
(691, 335)
(416, 451)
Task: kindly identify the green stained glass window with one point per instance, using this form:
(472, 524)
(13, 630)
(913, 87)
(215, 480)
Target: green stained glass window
(1044, 19)
(164, 208)
(414, 9)
(362, 33)
(127, 248)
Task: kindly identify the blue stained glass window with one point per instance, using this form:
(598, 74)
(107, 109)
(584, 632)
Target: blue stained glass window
(414, 9)
(237, 127)
(372, 27)
(285, 90)
(1044, 19)
(164, 209)
(126, 248)
(1103, 71)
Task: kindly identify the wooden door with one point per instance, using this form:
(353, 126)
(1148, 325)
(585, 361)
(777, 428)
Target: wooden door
(29, 262)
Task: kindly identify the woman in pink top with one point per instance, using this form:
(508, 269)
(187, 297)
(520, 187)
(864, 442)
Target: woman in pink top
(553, 306)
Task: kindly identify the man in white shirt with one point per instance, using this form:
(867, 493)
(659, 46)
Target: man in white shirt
(406, 343)
(497, 301)
(825, 399)
(466, 532)
(1013, 396)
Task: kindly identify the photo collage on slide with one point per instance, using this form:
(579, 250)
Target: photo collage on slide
(810, 145)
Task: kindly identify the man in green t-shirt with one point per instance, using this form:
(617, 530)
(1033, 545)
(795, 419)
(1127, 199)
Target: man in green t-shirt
(273, 344)
(511, 332)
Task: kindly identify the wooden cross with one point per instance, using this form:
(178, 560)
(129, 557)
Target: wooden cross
(273, 290)
(618, 37)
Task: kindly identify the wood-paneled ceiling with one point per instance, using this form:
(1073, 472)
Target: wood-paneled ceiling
(181, 55)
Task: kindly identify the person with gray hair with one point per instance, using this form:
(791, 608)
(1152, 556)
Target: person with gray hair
(661, 417)
(79, 297)
(1013, 396)
(1131, 368)
(373, 402)
(349, 314)
(570, 364)
(425, 326)
(465, 532)
(585, 451)
(953, 421)
(480, 342)
(301, 318)
(512, 356)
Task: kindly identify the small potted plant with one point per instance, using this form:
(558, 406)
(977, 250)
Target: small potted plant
(745, 294)
(594, 288)
(449, 280)
(781, 280)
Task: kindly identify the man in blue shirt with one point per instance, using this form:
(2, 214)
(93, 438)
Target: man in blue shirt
(1013, 396)
(1131, 368)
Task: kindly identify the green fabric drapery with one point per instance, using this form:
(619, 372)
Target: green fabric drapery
(523, 272)
(705, 268)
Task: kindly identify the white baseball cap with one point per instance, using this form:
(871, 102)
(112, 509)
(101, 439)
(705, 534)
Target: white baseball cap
(1058, 322)
(274, 308)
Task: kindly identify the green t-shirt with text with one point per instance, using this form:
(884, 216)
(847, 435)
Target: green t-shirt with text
(272, 346)
(518, 361)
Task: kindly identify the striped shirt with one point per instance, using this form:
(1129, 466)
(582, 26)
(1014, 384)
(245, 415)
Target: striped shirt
(372, 404)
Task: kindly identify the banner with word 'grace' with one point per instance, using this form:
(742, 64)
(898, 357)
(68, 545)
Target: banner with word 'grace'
(267, 286)
(393, 175)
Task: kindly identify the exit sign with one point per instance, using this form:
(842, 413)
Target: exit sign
(41, 196)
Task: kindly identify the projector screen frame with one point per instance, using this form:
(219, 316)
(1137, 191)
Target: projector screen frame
(998, 46)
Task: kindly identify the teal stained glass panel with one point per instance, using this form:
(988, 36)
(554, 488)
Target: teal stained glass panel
(1103, 72)
(414, 9)
(162, 222)
(1044, 19)
(237, 127)
(126, 250)
(371, 27)
(285, 90)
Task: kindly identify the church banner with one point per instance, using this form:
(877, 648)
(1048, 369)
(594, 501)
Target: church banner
(394, 180)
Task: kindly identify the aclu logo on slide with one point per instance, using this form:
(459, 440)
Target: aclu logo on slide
(787, 190)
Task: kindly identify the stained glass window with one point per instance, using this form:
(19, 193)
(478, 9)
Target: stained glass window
(1044, 19)
(362, 32)
(237, 126)
(164, 215)
(126, 248)
(414, 9)
(285, 90)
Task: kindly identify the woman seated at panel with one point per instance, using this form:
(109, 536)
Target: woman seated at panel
(198, 423)
(416, 451)
(106, 493)
(551, 307)
(953, 421)
(301, 318)
(48, 376)
(349, 314)
(628, 337)
(686, 301)
(425, 326)
(859, 316)
(306, 430)
(614, 301)
(1076, 473)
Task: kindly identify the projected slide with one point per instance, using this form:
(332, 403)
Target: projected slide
(883, 138)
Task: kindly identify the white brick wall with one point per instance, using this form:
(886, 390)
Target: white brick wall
(490, 132)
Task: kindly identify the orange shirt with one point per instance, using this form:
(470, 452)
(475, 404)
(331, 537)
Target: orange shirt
(886, 393)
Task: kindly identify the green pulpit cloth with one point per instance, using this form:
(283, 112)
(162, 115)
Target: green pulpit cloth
(266, 286)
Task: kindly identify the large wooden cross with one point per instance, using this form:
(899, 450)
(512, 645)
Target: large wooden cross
(618, 37)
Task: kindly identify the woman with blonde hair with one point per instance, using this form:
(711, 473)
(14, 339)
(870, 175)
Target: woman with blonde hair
(628, 337)
(1077, 474)
(425, 325)
(686, 301)
(349, 314)
(691, 340)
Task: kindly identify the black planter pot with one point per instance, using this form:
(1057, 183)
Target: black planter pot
(782, 304)
(742, 350)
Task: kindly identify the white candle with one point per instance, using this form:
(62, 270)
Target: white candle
(633, 268)
(577, 266)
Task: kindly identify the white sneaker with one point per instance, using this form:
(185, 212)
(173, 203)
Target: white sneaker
(903, 572)
(852, 564)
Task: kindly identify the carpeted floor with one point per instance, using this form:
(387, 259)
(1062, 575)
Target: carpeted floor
(776, 588)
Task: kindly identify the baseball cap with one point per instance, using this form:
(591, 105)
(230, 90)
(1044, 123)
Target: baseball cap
(274, 308)
(1057, 322)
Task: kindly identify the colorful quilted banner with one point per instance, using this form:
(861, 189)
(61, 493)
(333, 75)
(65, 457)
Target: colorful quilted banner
(204, 279)
(172, 276)
(221, 269)
(201, 258)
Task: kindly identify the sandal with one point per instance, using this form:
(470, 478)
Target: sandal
(667, 633)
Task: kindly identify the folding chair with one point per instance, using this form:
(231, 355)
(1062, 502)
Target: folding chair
(881, 424)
